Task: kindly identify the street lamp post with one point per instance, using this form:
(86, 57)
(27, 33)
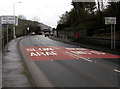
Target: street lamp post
(15, 18)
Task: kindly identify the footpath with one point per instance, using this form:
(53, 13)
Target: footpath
(13, 71)
(0, 69)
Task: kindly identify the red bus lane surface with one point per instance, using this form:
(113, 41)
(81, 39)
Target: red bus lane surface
(64, 53)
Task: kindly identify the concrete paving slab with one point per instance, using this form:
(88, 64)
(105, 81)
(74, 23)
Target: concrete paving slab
(0, 69)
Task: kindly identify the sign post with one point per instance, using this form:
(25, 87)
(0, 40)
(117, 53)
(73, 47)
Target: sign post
(114, 36)
(10, 20)
(112, 22)
(6, 20)
(7, 34)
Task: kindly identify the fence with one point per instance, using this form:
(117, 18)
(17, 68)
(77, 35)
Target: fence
(97, 42)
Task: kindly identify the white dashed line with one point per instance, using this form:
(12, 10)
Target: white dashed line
(116, 70)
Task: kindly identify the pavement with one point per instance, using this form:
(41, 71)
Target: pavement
(14, 72)
(0, 69)
(0, 56)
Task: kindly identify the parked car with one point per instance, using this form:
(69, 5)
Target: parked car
(32, 33)
(46, 34)
(51, 34)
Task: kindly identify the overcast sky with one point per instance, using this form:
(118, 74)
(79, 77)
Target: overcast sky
(47, 10)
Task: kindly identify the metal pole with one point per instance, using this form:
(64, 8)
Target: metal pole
(111, 37)
(114, 37)
(2, 38)
(7, 39)
(7, 33)
(15, 20)
(14, 32)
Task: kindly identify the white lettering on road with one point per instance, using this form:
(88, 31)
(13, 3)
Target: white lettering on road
(43, 54)
(81, 52)
(39, 49)
(51, 53)
(45, 49)
(30, 49)
(87, 52)
(33, 54)
(97, 52)
(80, 57)
(76, 49)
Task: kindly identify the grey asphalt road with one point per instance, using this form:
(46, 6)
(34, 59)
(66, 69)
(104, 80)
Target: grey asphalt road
(75, 72)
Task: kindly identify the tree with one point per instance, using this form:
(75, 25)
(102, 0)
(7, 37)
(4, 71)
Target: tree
(35, 18)
(77, 15)
(64, 18)
(112, 10)
(21, 17)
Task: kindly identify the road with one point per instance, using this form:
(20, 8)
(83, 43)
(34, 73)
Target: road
(63, 68)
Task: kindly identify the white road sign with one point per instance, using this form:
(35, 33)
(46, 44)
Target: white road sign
(110, 20)
(9, 20)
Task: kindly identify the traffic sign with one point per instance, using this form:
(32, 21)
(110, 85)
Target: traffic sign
(9, 20)
(110, 20)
